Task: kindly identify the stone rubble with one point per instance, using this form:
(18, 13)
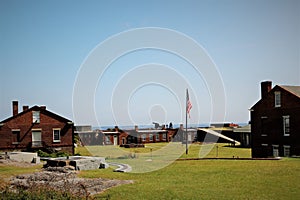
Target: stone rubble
(64, 179)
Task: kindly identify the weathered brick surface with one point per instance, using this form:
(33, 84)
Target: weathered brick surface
(267, 124)
(24, 123)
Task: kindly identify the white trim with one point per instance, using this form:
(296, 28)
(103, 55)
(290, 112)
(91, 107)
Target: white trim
(264, 145)
(157, 137)
(36, 129)
(285, 128)
(286, 150)
(277, 94)
(151, 137)
(56, 129)
(36, 116)
(15, 130)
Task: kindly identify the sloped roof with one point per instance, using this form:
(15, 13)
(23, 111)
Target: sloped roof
(35, 108)
(295, 90)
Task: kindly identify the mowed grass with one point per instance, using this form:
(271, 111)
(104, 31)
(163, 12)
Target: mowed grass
(201, 179)
(220, 150)
(210, 179)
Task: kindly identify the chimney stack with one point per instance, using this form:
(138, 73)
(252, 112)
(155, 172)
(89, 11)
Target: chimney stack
(136, 128)
(266, 86)
(15, 107)
(25, 108)
(181, 127)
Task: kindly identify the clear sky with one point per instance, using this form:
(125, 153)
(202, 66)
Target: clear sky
(43, 45)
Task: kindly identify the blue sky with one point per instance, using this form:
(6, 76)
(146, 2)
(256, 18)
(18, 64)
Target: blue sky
(43, 44)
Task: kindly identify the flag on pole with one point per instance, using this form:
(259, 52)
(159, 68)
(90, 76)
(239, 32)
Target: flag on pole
(188, 103)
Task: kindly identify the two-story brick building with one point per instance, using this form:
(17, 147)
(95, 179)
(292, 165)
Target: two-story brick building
(275, 121)
(36, 128)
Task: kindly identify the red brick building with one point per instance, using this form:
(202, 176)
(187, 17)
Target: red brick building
(275, 121)
(36, 128)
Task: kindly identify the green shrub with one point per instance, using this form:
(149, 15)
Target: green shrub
(52, 155)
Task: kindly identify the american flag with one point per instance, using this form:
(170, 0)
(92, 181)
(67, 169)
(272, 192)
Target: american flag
(188, 103)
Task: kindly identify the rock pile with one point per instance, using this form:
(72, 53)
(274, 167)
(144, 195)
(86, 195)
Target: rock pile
(62, 179)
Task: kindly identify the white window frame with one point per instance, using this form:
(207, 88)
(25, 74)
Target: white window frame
(263, 119)
(275, 149)
(157, 137)
(36, 117)
(286, 150)
(56, 129)
(264, 145)
(164, 136)
(286, 125)
(277, 99)
(107, 139)
(151, 137)
(143, 137)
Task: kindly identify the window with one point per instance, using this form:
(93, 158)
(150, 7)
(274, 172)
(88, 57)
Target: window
(275, 151)
(277, 99)
(16, 136)
(164, 136)
(107, 139)
(286, 150)
(56, 135)
(157, 137)
(286, 125)
(35, 116)
(151, 137)
(143, 137)
(36, 138)
(263, 125)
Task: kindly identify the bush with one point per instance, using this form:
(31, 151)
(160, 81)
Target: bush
(52, 155)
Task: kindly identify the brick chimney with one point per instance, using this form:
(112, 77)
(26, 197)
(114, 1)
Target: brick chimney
(15, 107)
(266, 86)
(25, 108)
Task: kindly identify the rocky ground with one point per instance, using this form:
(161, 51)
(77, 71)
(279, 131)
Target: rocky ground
(65, 180)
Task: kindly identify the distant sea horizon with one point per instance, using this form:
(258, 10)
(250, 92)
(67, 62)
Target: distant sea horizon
(149, 126)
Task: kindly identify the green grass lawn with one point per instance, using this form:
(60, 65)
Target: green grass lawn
(208, 179)
(201, 179)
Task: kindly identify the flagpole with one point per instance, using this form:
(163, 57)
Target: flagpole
(186, 118)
